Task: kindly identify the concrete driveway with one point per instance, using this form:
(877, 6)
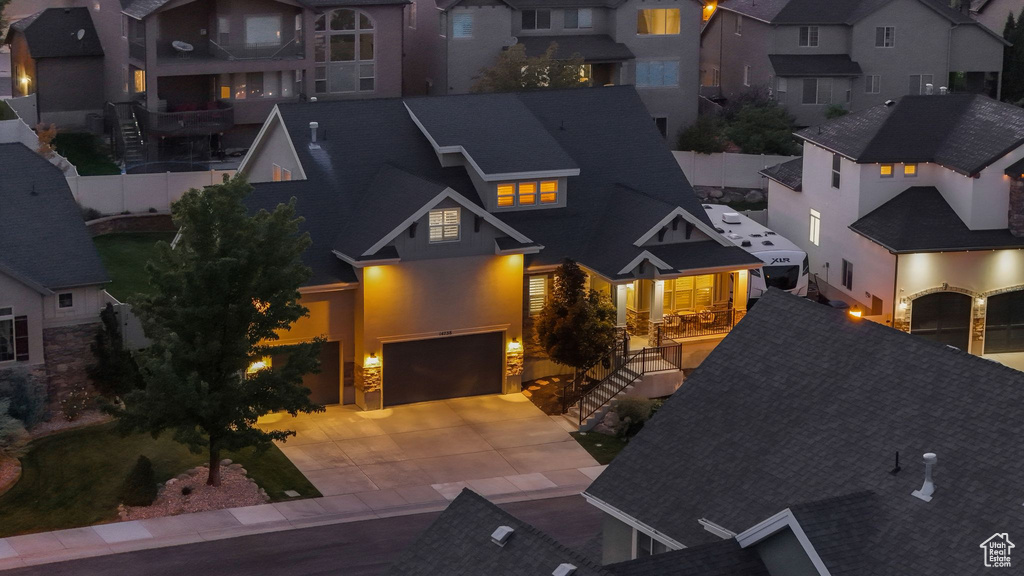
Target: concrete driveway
(420, 453)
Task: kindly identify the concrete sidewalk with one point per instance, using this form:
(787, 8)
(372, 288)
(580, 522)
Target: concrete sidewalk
(46, 547)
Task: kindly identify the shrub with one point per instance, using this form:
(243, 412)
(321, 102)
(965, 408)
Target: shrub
(26, 397)
(705, 136)
(12, 432)
(72, 405)
(139, 487)
(91, 214)
(633, 414)
(835, 111)
(115, 372)
(186, 490)
(764, 129)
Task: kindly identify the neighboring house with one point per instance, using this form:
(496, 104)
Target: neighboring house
(653, 45)
(51, 278)
(204, 74)
(56, 54)
(914, 213)
(800, 439)
(436, 224)
(994, 13)
(810, 54)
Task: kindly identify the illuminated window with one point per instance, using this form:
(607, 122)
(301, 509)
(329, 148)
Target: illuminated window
(657, 21)
(506, 195)
(886, 171)
(527, 193)
(909, 170)
(286, 174)
(276, 177)
(815, 227)
(690, 292)
(549, 192)
(140, 81)
(444, 225)
(538, 293)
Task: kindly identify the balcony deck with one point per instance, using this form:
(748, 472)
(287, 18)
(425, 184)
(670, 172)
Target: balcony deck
(186, 123)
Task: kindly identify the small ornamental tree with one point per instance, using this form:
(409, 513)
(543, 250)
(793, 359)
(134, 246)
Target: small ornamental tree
(576, 327)
(705, 136)
(222, 294)
(115, 372)
(515, 71)
(139, 488)
(764, 129)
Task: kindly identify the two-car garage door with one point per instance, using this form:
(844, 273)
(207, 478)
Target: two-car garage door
(439, 368)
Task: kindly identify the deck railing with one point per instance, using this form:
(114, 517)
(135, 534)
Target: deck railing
(707, 322)
(644, 361)
(257, 50)
(186, 123)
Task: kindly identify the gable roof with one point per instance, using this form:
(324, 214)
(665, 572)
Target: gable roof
(789, 173)
(920, 220)
(802, 403)
(722, 558)
(587, 125)
(963, 132)
(763, 10)
(43, 239)
(53, 33)
(459, 542)
(851, 11)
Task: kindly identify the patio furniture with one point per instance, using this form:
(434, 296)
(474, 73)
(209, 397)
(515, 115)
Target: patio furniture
(184, 49)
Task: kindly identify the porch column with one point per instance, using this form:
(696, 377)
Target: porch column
(740, 292)
(657, 311)
(619, 296)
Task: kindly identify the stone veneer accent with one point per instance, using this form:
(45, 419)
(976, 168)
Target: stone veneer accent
(1016, 208)
(67, 356)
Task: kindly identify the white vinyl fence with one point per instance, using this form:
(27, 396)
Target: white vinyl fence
(25, 107)
(139, 193)
(726, 170)
(18, 131)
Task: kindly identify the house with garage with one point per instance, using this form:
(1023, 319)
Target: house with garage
(653, 45)
(51, 277)
(818, 443)
(913, 213)
(810, 55)
(437, 223)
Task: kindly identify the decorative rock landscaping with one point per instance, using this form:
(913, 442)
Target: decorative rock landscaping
(188, 492)
(10, 471)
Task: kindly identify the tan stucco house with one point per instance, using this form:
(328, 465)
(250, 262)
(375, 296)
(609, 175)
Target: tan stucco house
(437, 222)
(51, 277)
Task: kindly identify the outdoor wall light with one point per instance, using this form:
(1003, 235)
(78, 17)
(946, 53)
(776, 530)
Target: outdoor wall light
(979, 301)
(261, 364)
(856, 312)
(514, 358)
(372, 381)
(903, 305)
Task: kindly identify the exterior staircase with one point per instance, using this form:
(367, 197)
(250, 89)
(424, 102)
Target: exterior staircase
(618, 383)
(128, 138)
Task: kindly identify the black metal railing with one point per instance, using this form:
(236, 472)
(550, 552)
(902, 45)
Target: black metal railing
(137, 49)
(186, 123)
(257, 50)
(707, 322)
(632, 368)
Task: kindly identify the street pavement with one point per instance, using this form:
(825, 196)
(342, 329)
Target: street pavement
(362, 548)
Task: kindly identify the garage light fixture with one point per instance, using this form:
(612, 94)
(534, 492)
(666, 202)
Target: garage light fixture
(856, 312)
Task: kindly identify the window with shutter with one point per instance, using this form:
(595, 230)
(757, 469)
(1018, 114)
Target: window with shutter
(462, 25)
(538, 293)
(444, 225)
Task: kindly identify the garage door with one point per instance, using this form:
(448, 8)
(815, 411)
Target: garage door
(439, 368)
(325, 387)
(943, 317)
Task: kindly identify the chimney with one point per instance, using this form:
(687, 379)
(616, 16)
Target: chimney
(928, 488)
(564, 569)
(501, 535)
(943, 90)
(928, 89)
(1015, 215)
(312, 130)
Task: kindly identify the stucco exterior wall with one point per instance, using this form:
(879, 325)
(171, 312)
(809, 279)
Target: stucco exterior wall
(811, 114)
(107, 21)
(723, 49)
(22, 63)
(25, 302)
(831, 40)
(87, 301)
(274, 148)
(492, 31)
(974, 50)
(617, 540)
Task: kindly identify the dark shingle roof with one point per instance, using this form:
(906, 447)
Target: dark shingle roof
(459, 543)
(43, 239)
(814, 65)
(521, 4)
(964, 132)
(851, 11)
(790, 173)
(589, 125)
(802, 403)
(53, 33)
(764, 10)
(342, 3)
(920, 220)
(525, 144)
(139, 9)
(724, 558)
(592, 47)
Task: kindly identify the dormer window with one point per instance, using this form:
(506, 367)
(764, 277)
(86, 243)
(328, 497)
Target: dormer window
(885, 171)
(909, 170)
(444, 225)
(526, 193)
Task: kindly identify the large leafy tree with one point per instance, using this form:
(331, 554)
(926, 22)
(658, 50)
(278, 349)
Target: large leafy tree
(576, 327)
(763, 129)
(515, 71)
(221, 294)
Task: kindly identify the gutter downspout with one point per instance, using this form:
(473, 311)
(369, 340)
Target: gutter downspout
(949, 60)
(895, 287)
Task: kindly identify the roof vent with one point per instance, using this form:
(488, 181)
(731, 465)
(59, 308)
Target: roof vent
(890, 102)
(707, 206)
(928, 488)
(312, 135)
(769, 233)
(943, 90)
(755, 235)
(733, 236)
(564, 569)
(929, 89)
(745, 243)
(767, 243)
(501, 535)
(719, 230)
(731, 218)
(312, 98)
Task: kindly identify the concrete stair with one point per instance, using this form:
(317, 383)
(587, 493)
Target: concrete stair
(619, 382)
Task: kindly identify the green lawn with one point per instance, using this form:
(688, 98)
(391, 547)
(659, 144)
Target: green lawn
(602, 447)
(125, 256)
(87, 152)
(73, 479)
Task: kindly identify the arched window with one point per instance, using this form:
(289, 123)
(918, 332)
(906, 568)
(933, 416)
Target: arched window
(344, 52)
(1004, 323)
(943, 317)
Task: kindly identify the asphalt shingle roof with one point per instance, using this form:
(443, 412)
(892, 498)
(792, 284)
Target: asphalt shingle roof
(920, 220)
(764, 10)
(802, 403)
(723, 558)
(588, 125)
(790, 173)
(459, 543)
(53, 33)
(139, 9)
(964, 132)
(43, 239)
(814, 65)
(850, 11)
(592, 47)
